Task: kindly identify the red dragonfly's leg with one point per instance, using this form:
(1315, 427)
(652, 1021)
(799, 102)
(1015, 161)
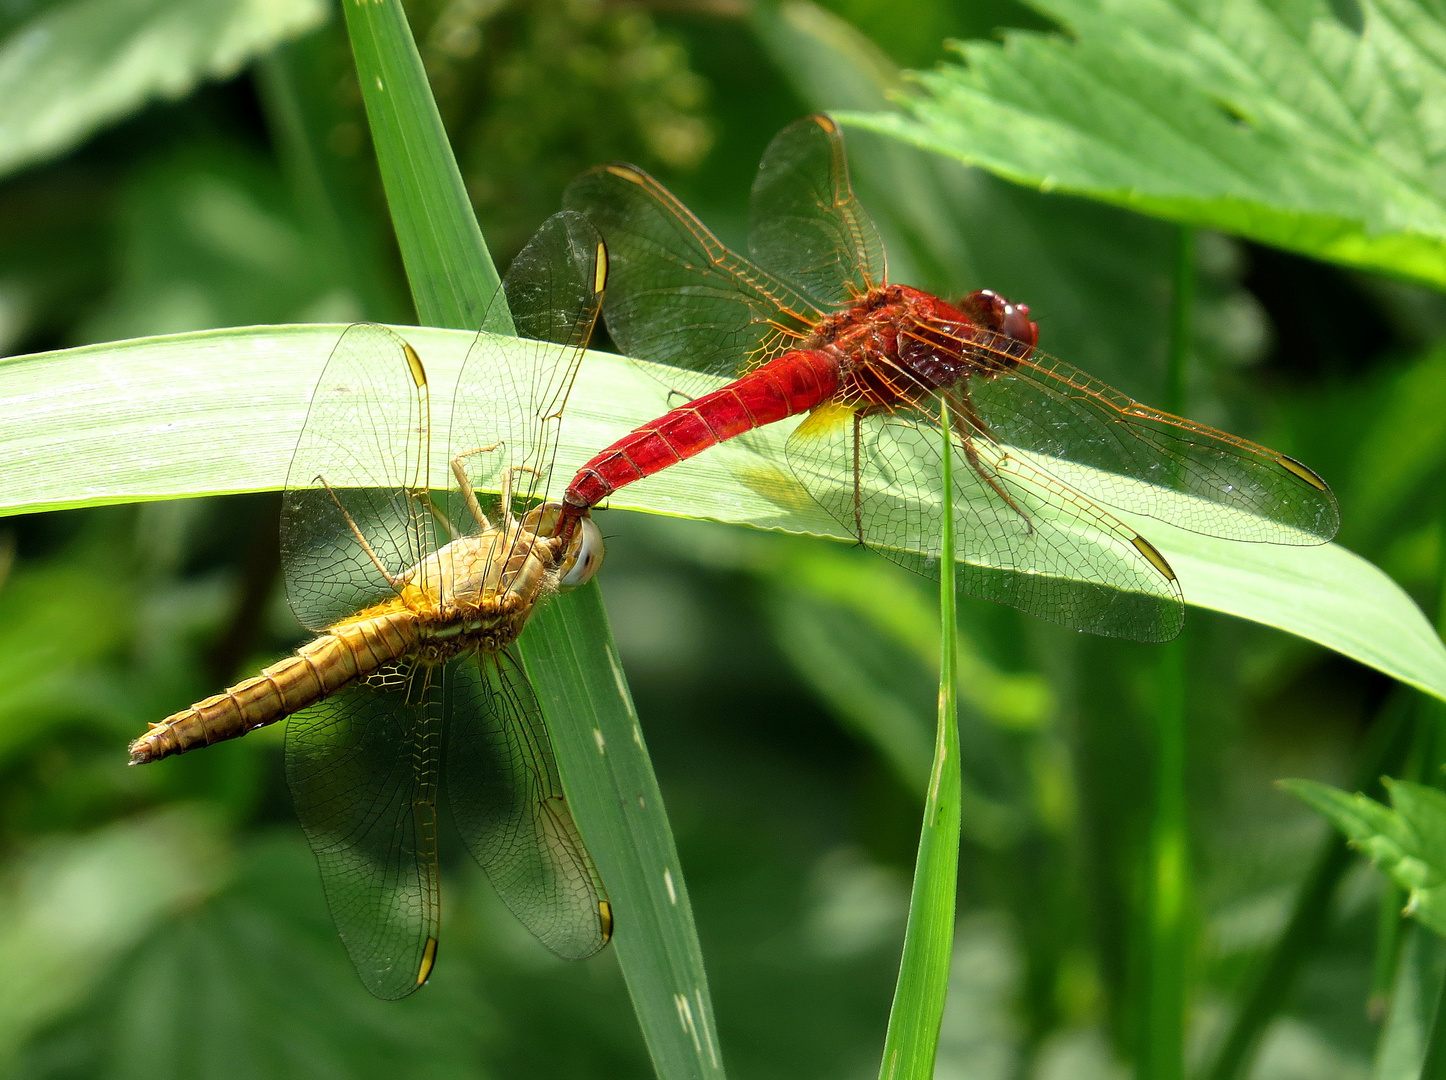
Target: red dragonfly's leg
(967, 424)
(858, 480)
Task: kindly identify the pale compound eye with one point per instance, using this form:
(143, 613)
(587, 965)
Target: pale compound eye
(589, 555)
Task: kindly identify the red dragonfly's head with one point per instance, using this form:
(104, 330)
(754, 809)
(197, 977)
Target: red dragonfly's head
(1014, 332)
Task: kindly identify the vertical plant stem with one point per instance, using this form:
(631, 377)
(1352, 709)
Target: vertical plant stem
(912, 1041)
(1385, 749)
(601, 754)
(1161, 1051)
(449, 268)
(1388, 950)
(1163, 1036)
(1430, 715)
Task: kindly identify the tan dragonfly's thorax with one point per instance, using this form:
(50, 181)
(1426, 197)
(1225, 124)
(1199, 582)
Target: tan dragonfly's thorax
(476, 592)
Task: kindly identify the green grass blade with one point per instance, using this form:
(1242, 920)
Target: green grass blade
(912, 1041)
(218, 411)
(448, 265)
(610, 783)
(453, 280)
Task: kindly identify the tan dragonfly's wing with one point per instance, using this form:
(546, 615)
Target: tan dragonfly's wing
(356, 479)
(508, 803)
(510, 397)
(363, 769)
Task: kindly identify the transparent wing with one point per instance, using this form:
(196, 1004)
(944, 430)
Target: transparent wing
(512, 402)
(676, 295)
(1022, 537)
(508, 804)
(1172, 469)
(362, 766)
(805, 224)
(355, 479)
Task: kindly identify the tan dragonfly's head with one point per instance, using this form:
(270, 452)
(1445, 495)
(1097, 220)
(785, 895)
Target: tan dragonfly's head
(585, 548)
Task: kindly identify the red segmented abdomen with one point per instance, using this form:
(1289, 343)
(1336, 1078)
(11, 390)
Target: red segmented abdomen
(793, 383)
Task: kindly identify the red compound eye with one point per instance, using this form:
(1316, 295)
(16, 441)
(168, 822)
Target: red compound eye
(992, 312)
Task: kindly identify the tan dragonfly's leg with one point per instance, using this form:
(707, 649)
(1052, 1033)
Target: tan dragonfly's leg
(465, 485)
(438, 514)
(507, 488)
(391, 579)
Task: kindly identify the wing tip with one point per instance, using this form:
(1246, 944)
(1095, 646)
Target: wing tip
(1303, 472)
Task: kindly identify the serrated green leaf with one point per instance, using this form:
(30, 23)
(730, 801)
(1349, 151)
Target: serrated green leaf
(1272, 119)
(218, 412)
(1407, 841)
(81, 64)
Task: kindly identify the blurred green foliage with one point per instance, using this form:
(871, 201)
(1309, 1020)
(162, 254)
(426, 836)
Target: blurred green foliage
(168, 921)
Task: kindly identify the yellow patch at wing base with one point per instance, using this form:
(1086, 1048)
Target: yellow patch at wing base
(824, 419)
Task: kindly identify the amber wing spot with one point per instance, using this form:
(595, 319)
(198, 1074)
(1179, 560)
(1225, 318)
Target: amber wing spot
(605, 917)
(825, 418)
(600, 274)
(429, 961)
(825, 122)
(626, 173)
(414, 362)
(1151, 552)
(1308, 475)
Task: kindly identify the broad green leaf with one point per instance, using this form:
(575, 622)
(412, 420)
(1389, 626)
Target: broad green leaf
(1407, 840)
(218, 412)
(1308, 125)
(57, 940)
(78, 65)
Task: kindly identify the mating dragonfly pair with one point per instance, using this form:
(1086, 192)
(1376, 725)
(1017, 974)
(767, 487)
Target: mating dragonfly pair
(412, 681)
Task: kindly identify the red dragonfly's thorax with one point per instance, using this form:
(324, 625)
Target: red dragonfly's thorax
(898, 345)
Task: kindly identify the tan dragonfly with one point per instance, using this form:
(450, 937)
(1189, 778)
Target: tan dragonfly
(411, 682)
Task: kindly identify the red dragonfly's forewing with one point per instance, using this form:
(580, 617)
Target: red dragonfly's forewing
(1022, 537)
(1148, 462)
(363, 767)
(806, 226)
(676, 295)
(508, 804)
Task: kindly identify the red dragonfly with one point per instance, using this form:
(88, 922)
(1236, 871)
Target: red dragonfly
(810, 324)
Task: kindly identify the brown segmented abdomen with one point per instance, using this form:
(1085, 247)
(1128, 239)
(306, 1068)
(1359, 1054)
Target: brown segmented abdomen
(348, 651)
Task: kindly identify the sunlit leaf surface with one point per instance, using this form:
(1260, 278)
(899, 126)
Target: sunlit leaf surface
(218, 412)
